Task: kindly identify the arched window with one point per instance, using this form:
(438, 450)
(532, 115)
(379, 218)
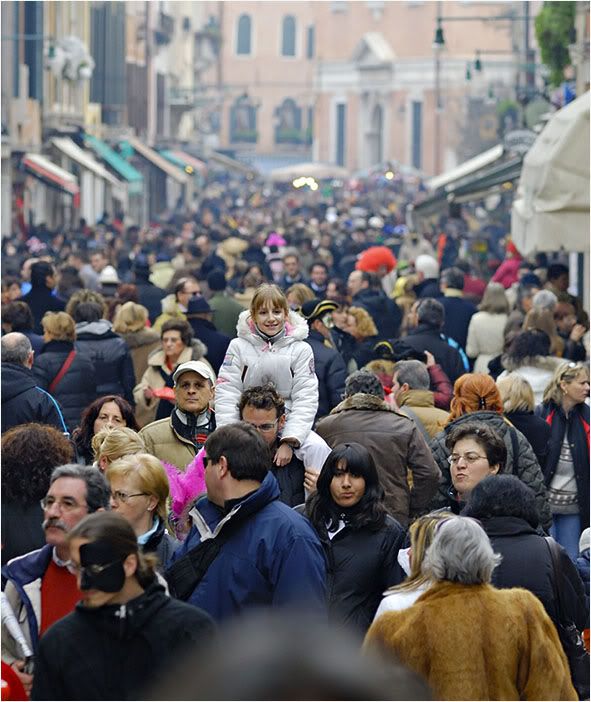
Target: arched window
(288, 43)
(243, 35)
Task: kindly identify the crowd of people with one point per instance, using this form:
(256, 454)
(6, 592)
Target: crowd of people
(292, 402)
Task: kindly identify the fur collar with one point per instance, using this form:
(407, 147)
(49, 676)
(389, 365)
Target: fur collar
(538, 362)
(362, 401)
(296, 327)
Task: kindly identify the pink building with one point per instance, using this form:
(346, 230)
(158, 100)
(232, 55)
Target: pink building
(355, 82)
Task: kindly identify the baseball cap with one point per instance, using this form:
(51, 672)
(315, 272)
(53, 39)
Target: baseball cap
(313, 309)
(198, 367)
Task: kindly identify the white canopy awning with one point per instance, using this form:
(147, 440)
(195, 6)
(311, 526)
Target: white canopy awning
(470, 166)
(84, 159)
(551, 209)
(159, 161)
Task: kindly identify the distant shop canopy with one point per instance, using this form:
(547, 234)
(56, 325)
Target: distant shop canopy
(134, 179)
(51, 175)
(494, 170)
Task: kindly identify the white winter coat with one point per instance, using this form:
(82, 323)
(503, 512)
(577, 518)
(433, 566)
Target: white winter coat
(485, 338)
(288, 364)
(538, 372)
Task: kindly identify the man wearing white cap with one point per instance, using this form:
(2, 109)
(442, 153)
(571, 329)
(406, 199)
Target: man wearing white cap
(178, 438)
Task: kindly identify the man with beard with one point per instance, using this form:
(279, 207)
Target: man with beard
(40, 585)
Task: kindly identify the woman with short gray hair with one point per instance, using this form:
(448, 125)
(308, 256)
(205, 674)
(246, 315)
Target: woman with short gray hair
(469, 640)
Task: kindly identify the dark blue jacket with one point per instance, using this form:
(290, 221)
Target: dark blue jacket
(458, 313)
(21, 572)
(274, 557)
(331, 372)
(23, 401)
(385, 313)
(216, 342)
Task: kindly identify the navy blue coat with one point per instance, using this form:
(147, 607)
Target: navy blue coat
(274, 558)
(385, 313)
(23, 401)
(77, 388)
(331, 373)
(216, 342)
(458, 313)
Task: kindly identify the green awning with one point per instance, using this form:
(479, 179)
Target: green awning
(133, 177)
(176, 161)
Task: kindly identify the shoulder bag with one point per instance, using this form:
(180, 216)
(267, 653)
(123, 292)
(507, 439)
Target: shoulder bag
(62, 371)
(570, 637)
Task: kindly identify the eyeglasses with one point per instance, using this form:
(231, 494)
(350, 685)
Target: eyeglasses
(470, 458)
(93, 569)
(265, 428)
(119, 496)
(66, 505)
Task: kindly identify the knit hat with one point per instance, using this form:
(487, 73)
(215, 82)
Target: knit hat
(216, 280)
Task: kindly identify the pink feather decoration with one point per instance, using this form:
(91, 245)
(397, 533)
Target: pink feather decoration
(186, 486)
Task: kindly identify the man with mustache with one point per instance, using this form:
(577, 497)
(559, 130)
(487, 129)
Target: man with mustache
(39, 585)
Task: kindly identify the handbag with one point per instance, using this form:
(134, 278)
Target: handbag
(570, 637)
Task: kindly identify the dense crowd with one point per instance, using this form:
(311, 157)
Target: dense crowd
(298, 408)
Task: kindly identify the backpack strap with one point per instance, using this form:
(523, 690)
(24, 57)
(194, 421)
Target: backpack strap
(62, 371)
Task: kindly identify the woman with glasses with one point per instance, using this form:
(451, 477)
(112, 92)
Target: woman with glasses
(476, 451)
(477, 399)
(124, 632)
(567, 466)
(139, 492)
(360, 539)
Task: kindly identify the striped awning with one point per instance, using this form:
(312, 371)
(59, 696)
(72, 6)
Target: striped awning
(55, 177)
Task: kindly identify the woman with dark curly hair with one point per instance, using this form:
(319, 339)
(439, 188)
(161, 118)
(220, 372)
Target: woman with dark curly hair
(29, 453)
(109, 410)
(530, 356)
(360, 539)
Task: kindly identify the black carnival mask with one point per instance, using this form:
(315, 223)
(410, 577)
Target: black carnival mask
(101, 568)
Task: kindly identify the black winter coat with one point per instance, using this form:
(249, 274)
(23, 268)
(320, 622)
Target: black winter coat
(77, 388)
(291, 481)
(216, 342)
(527, 563)
(576, 426)
(162, 544)
(385, 313)
(116, 652)
(458, 313)
(23, 401)
(535, 430)
(361, 564)
(424, 338)
(21, 529)
(330, 371)
(428, 288)
(111, 356)
(40, 300)
(150, 296)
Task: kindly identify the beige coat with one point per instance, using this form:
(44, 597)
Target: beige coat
(167, 445)
(141, 344)
(396, 446)
(145, 410)
(421, 402)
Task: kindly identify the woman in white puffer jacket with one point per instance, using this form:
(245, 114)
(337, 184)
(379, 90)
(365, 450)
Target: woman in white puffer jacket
(270, 347)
